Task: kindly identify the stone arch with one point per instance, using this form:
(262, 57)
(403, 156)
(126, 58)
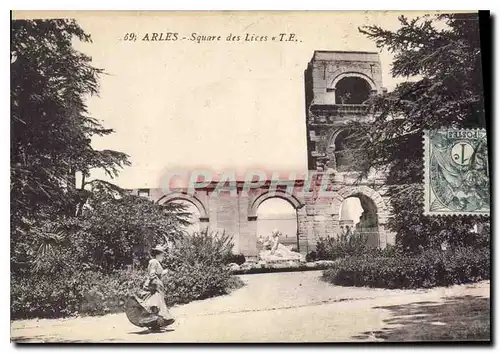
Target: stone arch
(364, 190)
(186, 197)
(342, 75)
(374, 215)
(330, 148)
(334, 161)
(254, 205)
(332, 137)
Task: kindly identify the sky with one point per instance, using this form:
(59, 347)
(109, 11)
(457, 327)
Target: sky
(221, 105)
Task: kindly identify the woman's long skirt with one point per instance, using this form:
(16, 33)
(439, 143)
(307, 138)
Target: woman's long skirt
(149, 310)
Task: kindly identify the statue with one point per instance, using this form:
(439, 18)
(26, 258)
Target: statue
(273, 250)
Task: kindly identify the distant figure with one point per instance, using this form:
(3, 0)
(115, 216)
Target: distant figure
(148, 308)
(348, 231)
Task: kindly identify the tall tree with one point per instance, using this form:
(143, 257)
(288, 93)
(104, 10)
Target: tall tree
(51, 129)
(440, 58)
(51, 132)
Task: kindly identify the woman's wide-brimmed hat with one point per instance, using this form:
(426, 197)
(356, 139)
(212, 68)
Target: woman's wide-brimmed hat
(158, 249)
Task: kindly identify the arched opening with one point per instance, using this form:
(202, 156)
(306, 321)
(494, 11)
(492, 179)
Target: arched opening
(352, 90)
(189, 212)
(276, 213)
(348, 151)
(358, 215)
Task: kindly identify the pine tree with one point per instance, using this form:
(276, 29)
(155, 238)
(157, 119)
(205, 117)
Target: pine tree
(440, 58)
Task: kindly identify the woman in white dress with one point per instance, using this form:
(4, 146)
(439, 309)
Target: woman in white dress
(148, 308)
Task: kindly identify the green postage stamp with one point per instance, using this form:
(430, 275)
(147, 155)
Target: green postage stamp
(456, 172)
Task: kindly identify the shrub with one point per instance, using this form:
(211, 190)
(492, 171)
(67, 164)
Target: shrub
(86, 293)
(197, 270)
(235, 259)
(195, 281)
(95, 293)
(234, 283)
(429, 269)
(311, 256)
(43, 296)
(333, 248)
(198, 267)
(200, 247)
(108, 293)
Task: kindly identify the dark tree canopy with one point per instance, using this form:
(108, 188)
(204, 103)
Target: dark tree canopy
(51, 133)
(51, 130)
(440, 57)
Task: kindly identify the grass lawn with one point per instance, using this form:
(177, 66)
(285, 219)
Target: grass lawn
(465, 318)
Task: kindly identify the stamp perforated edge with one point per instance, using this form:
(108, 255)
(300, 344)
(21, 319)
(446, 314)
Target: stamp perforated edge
(427, 190)
(426, 173)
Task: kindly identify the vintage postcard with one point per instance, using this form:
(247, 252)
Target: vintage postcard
(249, 177)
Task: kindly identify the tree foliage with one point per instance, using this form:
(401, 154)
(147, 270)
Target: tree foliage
(56, 224)
(110, 234)
(51, 129)
(440, 59)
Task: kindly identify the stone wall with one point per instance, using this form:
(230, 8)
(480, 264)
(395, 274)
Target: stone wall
(317, 215)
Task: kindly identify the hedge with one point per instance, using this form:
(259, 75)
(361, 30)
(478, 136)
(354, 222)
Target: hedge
(94, 293)
(68, 294)
(429, 269)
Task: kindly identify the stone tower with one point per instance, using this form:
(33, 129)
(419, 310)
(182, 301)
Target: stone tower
(337, 84)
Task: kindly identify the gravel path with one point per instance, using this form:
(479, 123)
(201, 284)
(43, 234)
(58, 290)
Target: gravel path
(279, 307)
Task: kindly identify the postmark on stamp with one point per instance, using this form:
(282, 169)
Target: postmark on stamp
(456, 172)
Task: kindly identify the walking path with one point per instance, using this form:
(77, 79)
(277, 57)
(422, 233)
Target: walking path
(277, 307)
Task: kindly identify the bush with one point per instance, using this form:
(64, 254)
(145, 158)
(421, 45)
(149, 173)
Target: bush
(235, 259)
(109, 235)
(311, 256)
(333, 248)
(429, 269)
(193, 282)
(85, 293)
(198, 267)
(197, 270)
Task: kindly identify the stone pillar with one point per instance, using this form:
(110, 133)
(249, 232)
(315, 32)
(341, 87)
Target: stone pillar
(308, 214)
(212, 212)
(319, 82)
(386, 236)
(227, 215)
(249, 240)
(390, 237)
(334, 226)
(303, 226)
(319, 227)
(205, 222)
(382, 236)
(248, 228)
